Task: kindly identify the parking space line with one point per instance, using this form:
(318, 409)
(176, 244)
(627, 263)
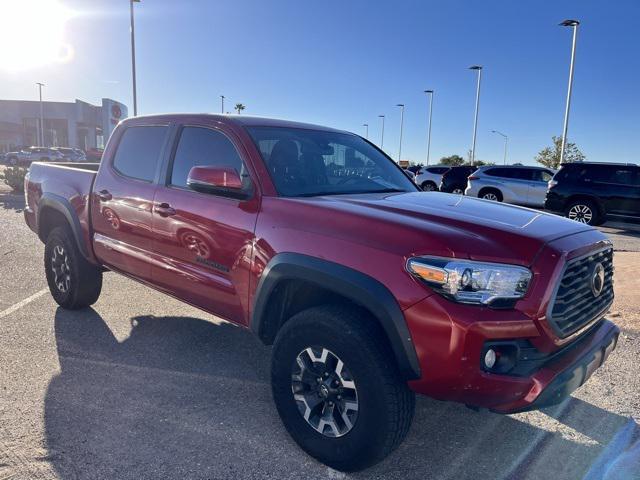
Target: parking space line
(22, 303)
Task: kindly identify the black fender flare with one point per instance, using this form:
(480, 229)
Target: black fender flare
(62, 205)
(358, 287)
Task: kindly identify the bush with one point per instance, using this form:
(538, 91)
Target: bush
(14, 177)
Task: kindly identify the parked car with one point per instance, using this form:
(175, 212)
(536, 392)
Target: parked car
(429, 178)
(3, 158)
(94, 154)
(33, 154)
(454, 180)
(368, 289)
(592, 192)
(518, 185)
(414, 169)
(72, 154)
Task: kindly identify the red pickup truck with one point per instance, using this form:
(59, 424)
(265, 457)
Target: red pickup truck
(315, 240)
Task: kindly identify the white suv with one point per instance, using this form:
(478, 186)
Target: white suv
(430, 177)
(516, 184)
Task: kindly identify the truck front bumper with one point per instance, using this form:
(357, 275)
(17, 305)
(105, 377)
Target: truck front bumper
(450, 354)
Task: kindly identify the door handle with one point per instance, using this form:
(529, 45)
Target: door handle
(165, 210)
(104, 195)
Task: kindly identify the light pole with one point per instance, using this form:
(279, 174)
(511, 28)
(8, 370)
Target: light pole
(41, 139)
(574, 24)
(382, 134)
(506, 139)
(133, 58)
(401, 105)
(222, 100)
(430, 93)
(478, 68)
(366, 130)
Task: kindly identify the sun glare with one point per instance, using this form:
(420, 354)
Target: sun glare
(32, 34)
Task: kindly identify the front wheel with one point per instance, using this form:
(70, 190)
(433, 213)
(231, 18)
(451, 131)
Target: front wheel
(74, 283)
(337, 388)
(458, 191)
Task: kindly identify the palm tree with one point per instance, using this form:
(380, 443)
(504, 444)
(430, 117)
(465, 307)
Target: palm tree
(239, 107)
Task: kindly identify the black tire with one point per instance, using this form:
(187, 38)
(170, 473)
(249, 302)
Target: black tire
(429, 186)
(385, 403)
(491, 194)
(74, 283)
(458, 190)
(584, 211)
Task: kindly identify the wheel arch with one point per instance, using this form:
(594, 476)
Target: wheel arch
(491, 187)
(293, 282)
(55, 211)
(584, 196)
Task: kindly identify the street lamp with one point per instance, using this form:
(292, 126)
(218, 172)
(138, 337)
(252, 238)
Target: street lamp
(382, 134)
(430, 93)
(506, 139)
(574, 24)
(133, 58)
(41, 138)
(222, 107)
(366, 134)
(478, 68)
(401, 105)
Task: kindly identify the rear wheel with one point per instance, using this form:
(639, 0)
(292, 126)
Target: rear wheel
(457, 190)
(429, 186)
(491, 194)
(584, 211)
(74, 283)
(337, 388)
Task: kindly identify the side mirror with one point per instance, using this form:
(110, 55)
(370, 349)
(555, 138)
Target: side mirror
(214, 179)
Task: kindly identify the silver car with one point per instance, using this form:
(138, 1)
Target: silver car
(33, 154)
(515, 184)
(430, 177)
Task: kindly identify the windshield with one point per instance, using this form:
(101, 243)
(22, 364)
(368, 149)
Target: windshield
(305, 163)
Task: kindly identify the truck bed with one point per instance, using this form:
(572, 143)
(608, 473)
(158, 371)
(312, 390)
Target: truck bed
(67, 184)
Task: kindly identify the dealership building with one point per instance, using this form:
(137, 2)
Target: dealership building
(66, 124)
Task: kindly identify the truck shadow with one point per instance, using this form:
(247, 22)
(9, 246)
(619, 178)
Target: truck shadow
(183, 397)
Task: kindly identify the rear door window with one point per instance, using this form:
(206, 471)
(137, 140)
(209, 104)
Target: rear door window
(139, 150)
(613, 174)
(542, 175)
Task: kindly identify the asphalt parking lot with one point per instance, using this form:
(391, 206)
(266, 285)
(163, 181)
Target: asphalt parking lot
(142, 386)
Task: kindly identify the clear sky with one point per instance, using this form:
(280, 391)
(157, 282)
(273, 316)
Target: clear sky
(342, 63)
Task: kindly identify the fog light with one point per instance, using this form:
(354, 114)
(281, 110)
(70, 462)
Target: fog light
(490, 358)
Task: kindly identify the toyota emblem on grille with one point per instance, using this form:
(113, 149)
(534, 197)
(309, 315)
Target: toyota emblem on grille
(597, 280)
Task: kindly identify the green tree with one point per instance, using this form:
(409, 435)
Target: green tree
(550, 156)
(452, 160)
(239, 107)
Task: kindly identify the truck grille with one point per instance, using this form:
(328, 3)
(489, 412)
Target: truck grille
(575, 304)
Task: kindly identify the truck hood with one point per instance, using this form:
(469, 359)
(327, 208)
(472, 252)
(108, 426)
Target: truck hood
(433, 223)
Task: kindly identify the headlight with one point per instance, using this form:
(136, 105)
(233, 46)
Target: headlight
(466, 281)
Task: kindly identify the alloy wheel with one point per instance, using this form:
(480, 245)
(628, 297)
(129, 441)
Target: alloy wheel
(60, 268)
(428, 187)
(324, 391)
(490, 196)
(581, 213)
(457, 191)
